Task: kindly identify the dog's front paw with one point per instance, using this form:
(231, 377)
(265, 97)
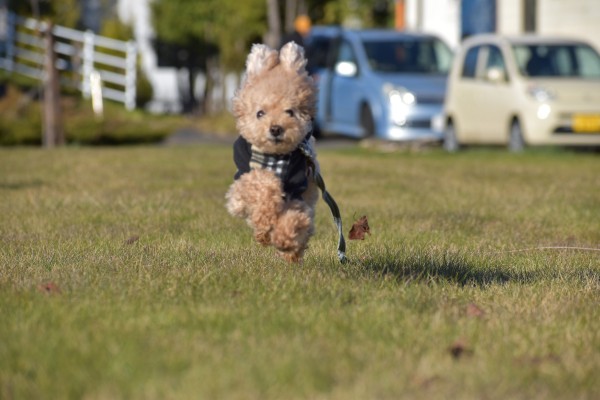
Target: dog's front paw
(291, 232)
(235, 203)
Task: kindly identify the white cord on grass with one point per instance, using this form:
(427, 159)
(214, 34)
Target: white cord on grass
(544, 248)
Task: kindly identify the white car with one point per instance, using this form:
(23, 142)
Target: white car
(523, 91)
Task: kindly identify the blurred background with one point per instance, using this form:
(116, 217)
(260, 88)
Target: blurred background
(174, 57)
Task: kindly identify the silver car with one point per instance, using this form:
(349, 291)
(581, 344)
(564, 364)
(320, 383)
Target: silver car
(379, 83)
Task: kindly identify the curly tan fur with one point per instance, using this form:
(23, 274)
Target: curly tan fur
(277, 91)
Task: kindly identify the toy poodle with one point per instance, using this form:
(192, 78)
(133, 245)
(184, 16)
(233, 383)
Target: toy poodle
(276, 185)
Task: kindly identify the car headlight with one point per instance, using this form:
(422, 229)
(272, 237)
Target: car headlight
(540, 93)
(401, 100)
(543, 96)
(402, 97)
(543, 111)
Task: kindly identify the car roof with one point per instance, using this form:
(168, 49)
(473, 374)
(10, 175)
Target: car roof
(525, 39)
(367, 34)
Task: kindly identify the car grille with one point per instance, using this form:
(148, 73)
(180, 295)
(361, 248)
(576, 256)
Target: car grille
(563, 129)
(418, 123)
(424, 99)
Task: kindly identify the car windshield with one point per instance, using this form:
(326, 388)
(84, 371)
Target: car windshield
(420, 55)
(557, 60)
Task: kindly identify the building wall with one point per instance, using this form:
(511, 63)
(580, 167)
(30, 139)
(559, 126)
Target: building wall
(510, 17)
(164, 81)
(570, 18)
(573, 18)
(440, 17)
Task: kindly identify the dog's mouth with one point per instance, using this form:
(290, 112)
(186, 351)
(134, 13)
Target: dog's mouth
(276, 140)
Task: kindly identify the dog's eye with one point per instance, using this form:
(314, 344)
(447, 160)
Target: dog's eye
(290, 112)
(260, 114)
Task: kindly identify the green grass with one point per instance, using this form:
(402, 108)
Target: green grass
(193, 308)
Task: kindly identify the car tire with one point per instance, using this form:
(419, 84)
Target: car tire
(516, 143)
(367, 122)
(450, 143)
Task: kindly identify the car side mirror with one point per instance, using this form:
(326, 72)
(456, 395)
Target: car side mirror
(347, 69)
(495, 75)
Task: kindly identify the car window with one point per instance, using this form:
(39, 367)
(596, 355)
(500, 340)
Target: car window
(345, 53)
(317, 51)
(557, 60)
(587, 61)
(495, 59)
(409, 55)
(469, 69)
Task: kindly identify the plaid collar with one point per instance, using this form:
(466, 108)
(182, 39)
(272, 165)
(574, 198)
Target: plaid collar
(278, 163)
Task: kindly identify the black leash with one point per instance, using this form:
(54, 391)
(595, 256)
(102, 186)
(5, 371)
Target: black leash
(335, 211)
(337, 218)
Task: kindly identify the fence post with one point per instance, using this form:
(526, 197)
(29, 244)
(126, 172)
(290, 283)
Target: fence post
(88, 63)
(130, 75)
(53, 132)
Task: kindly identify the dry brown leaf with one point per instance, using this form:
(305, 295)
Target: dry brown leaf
(426, 381)
(474, 311)
(359, 228)
(132, 239)
(459, 349)
(49, 288)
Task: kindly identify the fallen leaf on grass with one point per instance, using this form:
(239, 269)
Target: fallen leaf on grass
(474, 311)
(426, 382)
(459, 349)
(132, 239)
(49, 288)
(359, 228)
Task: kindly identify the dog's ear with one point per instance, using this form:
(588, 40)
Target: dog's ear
(261, 58)
(292, 57)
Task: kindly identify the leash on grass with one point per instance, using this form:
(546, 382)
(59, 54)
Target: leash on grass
(328, 198)
(335, 212)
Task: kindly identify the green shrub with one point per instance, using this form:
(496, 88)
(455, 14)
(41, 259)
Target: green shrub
(21, 122)
(143, 91)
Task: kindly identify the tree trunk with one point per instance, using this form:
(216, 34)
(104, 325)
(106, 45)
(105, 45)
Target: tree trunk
(192, 103)
(53, 134)
(273, 36)
(291, 11)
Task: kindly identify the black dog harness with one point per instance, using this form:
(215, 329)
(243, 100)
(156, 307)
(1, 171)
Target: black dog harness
(293, 169)
(290, 168)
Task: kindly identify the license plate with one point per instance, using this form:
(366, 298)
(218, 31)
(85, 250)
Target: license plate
(586, 123)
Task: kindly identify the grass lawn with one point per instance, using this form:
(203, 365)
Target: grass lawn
(123, 277)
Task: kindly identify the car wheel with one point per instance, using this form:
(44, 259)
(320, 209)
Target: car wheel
(451, 144)
(516, 143)
(367, 122)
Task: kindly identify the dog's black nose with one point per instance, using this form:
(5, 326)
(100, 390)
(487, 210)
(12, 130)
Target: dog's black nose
(276, 130)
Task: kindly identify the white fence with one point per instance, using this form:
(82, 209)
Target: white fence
(78, 55)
